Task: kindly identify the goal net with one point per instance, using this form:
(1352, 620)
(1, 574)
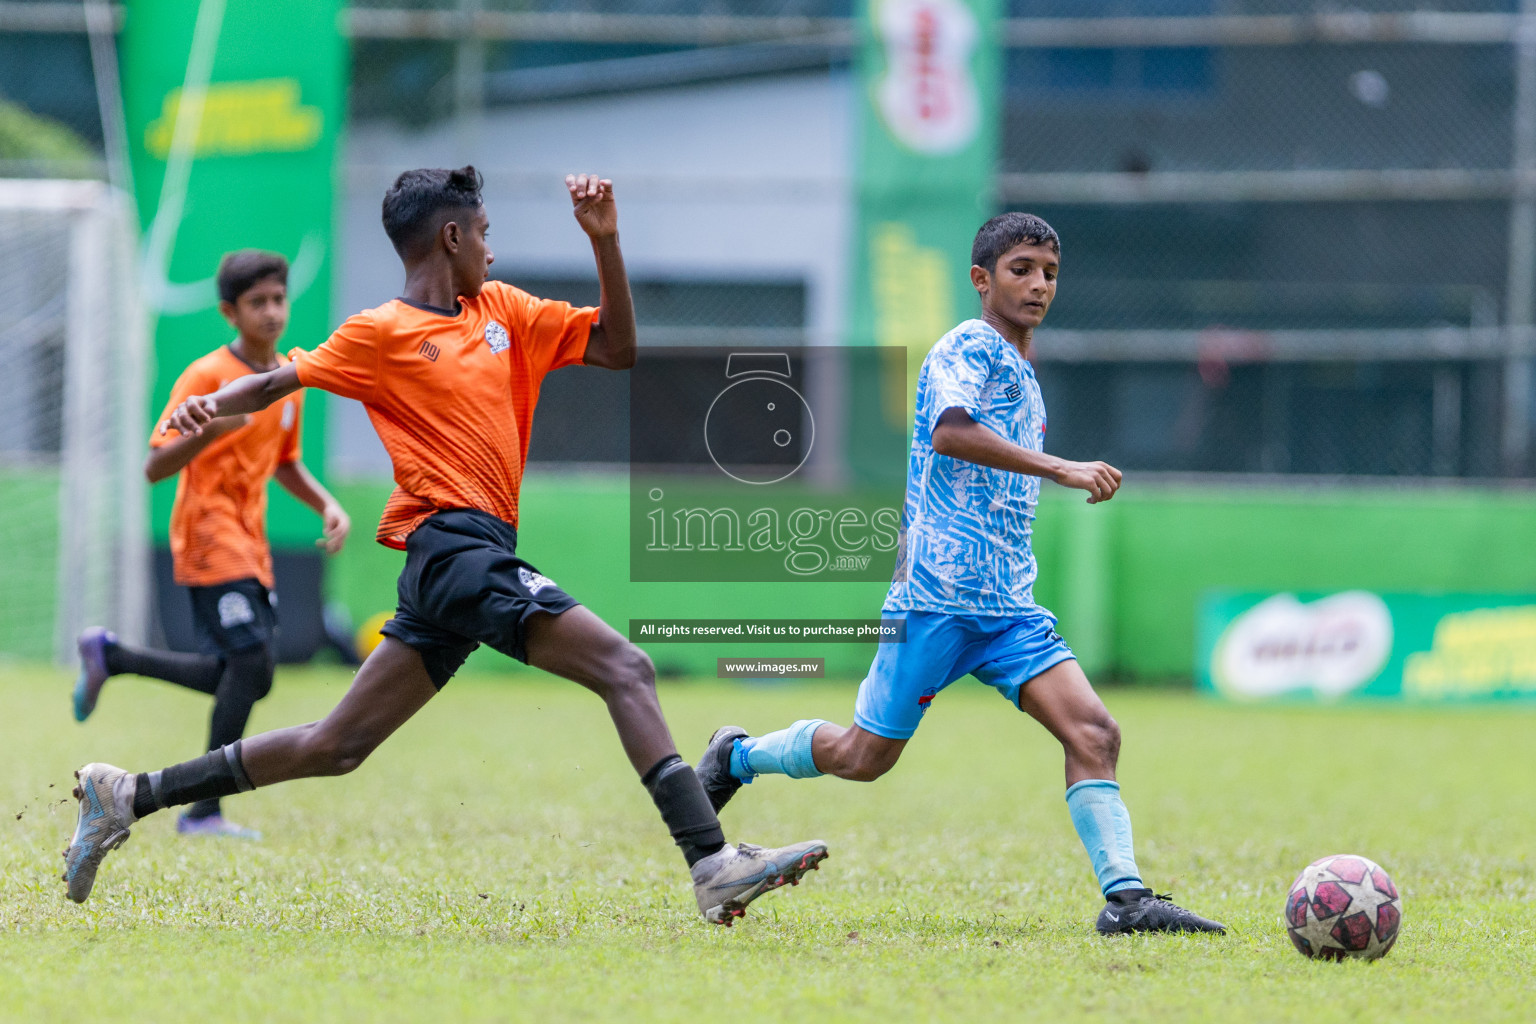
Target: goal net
(73, 353)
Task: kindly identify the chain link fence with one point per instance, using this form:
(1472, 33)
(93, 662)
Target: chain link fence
(1283, 258)
(1297, 238)
(1207, 108)
(1018, 9)
(652, 8)
(1015, 9)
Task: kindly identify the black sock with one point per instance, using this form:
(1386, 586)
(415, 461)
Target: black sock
(215, 774)
(200, 672)
(247, 678)
(684, 807)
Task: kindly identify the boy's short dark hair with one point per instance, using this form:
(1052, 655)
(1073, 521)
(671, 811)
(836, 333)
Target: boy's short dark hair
(1006, 231)
(415, 204)
(241, 271)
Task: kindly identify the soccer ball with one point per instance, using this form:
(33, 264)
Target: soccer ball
(1342, 906)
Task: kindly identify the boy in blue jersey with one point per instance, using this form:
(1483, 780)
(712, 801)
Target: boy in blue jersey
(964, 582)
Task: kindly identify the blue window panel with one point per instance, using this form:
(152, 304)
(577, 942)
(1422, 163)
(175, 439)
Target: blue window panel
(1190, 69)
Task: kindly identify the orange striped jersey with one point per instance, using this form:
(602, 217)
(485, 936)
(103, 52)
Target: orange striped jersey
(450, 394)
(219, 521)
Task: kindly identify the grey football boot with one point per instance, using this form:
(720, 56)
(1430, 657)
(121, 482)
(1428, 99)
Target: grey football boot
(106, 812)
(733, 876)
(714, 768)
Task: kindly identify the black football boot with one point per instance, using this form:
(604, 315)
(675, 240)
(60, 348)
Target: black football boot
(714, 767)
(1138, 910)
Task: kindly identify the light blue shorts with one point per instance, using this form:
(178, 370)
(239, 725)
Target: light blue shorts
(1003, 651)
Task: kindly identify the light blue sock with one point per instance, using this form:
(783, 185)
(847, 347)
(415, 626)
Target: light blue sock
(1104, 826)
(786, 752)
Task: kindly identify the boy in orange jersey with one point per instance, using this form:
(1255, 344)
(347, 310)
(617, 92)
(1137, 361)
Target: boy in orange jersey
(219, 525)
(450, 374)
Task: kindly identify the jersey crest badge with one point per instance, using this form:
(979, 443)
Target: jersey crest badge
(496, 337)
(1013, 392)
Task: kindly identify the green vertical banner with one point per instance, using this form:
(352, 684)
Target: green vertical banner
(234, 111)
(929, 79)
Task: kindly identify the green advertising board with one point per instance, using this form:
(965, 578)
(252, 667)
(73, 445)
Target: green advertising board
(1419, 648)
(234, 111)
(929, 74)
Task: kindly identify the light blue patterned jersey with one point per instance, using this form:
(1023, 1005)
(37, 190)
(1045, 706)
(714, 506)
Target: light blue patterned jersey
(966, 527)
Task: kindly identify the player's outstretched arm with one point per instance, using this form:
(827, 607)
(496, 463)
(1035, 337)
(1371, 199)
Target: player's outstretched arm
(170, 458)
(612, 342)
(298, 481)
(251, 393)
(960, 437)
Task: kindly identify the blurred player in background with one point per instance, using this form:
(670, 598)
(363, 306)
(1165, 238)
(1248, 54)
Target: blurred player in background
(219, 525)
(450, 374)
(965, 576)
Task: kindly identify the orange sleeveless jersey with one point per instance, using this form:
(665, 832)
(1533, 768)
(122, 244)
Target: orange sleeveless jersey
(219, 521)
(451, 396)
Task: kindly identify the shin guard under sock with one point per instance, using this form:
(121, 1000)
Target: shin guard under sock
(215, 774)
(684, 807)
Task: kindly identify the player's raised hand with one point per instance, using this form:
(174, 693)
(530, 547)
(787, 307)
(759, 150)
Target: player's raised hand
(592, 198)
(1099, 479)
(336, 524)
(191, 416)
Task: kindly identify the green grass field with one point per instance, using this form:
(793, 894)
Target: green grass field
(499, 861)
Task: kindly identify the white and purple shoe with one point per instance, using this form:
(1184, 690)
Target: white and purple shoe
(92, 645)
(215, 825)
(106, 813)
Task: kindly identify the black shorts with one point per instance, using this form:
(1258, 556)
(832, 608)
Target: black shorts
(234, 616)
(463, 585)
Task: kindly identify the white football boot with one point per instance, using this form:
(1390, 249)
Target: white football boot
(733, 876)
(106, 811)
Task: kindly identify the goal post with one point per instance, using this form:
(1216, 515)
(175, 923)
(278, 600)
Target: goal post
(74, 541)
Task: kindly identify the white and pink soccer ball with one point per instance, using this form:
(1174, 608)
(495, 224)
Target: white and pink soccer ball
(1343, 906)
